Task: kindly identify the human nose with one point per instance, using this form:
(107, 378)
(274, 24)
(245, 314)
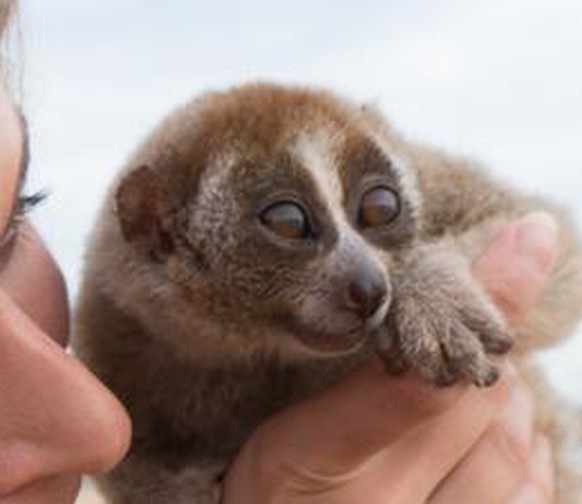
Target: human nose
(56, 418)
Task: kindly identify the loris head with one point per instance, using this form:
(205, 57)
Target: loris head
(260, 219)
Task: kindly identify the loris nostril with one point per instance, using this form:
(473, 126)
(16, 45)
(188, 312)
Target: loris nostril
(365, 296)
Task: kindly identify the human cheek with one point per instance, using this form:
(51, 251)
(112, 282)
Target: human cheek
(33, 281)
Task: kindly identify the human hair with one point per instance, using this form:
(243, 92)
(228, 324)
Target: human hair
(7, 8)
(11, 53)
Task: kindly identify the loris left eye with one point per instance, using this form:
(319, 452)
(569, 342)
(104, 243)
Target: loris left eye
(379, 207)
(288, 220)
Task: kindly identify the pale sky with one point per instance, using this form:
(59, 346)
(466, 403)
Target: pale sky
(500, 80)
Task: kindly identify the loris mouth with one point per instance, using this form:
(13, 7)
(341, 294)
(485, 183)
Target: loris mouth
(331, 342)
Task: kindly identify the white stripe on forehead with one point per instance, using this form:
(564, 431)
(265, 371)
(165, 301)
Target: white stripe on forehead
(317, 151)
(213, 180)
(218, 166)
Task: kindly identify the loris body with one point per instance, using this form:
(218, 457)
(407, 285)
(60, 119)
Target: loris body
(263, 242)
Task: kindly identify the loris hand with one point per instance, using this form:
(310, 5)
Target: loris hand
(381, 440)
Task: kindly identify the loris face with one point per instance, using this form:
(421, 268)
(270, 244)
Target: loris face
(282, 212)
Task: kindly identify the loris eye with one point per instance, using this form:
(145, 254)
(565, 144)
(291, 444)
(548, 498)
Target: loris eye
(288, 220)
(379, 207)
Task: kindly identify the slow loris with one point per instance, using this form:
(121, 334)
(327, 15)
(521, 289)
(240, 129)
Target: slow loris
(264, 241)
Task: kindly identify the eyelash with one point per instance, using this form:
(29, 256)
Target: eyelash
(24, 205)
(27, 203)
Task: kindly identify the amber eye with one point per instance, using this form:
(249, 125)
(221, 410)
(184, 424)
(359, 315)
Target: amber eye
(379, 207)
(288, 220)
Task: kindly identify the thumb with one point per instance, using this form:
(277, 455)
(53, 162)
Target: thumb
(515, 266)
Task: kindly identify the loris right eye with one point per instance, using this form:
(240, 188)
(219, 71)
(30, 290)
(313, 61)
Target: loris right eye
(288, 220)
(379, 207)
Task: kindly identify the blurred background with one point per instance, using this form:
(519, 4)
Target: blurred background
(497, 80)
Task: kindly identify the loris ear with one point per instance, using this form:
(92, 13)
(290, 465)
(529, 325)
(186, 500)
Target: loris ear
(142, 209)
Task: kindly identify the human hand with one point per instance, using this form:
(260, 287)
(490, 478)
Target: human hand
(377, 440)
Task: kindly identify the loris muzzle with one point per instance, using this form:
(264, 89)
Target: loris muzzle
(266, 240)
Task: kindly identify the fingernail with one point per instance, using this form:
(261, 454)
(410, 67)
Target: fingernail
(537, 236)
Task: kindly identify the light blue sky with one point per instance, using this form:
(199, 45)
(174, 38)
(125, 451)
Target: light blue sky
(500, 80)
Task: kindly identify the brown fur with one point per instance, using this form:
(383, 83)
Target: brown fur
(204, 322)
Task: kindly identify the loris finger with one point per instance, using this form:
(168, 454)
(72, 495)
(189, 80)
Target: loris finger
(495, 336)
(466, 357)
(388, 348)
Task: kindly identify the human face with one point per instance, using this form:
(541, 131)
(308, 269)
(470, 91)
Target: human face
(56, 420)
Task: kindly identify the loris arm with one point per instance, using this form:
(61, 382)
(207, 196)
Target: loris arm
(444, 324)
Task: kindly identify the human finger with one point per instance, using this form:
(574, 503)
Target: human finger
(499, 464)
(515, 266)
(540, 487)
(366, 424)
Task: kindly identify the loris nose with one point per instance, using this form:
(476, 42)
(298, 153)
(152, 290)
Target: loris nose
(366, 294)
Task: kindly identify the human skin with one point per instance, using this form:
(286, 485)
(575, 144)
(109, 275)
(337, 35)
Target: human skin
(56, 420)
(370, 439)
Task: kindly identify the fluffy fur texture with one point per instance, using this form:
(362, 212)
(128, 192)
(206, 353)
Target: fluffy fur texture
(266, 240)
